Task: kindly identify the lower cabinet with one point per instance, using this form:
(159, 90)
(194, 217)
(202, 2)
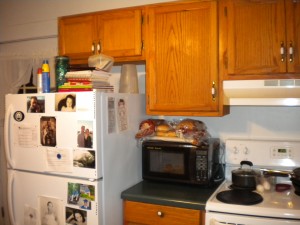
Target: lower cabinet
(137, 213)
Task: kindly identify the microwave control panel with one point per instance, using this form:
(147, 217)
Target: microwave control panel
(201, 165)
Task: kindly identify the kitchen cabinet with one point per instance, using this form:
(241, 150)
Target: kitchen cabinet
(182, 59)
(76, 36)
(137, 213)
(259, 39)
(117, 33)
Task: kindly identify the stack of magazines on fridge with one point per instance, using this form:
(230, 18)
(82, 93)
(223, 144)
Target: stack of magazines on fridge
(86, 80)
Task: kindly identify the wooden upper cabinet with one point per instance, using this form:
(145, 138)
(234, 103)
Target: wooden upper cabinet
(120, 33)
(117, 33)
(255, 39)
(182, 59)
(293, 35)
(76, 35)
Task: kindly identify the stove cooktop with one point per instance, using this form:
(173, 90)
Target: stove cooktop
(284, 204)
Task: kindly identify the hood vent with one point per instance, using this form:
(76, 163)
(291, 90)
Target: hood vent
(262, 92)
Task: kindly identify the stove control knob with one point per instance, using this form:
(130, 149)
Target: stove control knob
(246, 151)
(235, 150)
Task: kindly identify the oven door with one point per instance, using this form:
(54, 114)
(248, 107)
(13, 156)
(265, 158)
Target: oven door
(213, 218)
(169, 163)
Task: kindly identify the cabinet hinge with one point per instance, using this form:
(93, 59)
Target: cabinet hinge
(225, 11)
(2, 212)
(225, 58)
(142, 19)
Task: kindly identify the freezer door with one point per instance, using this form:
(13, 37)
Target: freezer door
(49, 139)
(45, 199)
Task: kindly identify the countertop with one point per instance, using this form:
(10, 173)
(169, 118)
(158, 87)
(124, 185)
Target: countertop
(169, 194)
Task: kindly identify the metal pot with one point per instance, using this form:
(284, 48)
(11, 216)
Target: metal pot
(245, 178)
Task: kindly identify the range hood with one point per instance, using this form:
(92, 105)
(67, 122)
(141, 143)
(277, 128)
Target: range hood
(262, 92)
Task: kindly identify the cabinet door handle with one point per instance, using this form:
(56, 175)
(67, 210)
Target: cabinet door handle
(282, 51)
(93, 48)
(99, 47)
(160, 214)
(291, 52)
(213, 91)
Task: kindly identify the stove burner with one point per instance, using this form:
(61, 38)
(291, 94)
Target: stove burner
(239, 197)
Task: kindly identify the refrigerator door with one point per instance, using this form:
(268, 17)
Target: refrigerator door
(44, 199)
(46, 141)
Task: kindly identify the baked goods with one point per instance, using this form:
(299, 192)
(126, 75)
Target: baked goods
(186, 130)
(188, 125)
(147, 127)
(163, 127)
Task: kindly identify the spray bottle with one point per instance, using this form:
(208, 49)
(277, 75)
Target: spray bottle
(39, 81)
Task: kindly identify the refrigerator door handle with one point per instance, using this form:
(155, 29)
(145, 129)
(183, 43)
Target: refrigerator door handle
(10, 197)
(6, 137)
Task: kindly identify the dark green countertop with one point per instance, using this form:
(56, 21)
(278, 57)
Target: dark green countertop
(184, 196)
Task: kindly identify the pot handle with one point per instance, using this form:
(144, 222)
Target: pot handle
(276, 173)
(245, 162)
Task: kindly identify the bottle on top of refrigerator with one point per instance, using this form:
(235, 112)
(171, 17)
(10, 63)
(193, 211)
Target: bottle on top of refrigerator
(46, 76)
(39, 81)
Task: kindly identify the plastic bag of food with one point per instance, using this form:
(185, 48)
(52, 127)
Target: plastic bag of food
(192, 130)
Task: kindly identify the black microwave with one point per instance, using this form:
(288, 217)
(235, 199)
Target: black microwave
(180, 162)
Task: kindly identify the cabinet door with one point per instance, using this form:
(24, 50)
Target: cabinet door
(136, 213)
(293, 35)
(120, 33)
(251, 34)
(182, 59)
(76, 36)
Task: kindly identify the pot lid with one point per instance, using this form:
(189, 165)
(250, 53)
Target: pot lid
(246, 171)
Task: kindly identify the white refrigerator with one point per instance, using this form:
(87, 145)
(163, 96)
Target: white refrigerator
(70, 155)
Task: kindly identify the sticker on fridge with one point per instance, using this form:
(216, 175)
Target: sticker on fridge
(65, 102)
(111, 119)
(59, 160)
(48, 131)
(51, 211)
(81, 195)
(85, 134)
(84, 158)
(30, 215)
(122, 115)
(36, 104)
(26, 135)
(76, 216)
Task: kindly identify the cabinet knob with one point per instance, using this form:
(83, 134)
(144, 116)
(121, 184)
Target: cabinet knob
(160, 214)
(282, 51)
(99, 47)
(213, 91)
(93, 48)
(291, 52)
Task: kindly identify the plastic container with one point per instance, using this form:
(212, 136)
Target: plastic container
(129, 79)
(61, 68)
(46, 77)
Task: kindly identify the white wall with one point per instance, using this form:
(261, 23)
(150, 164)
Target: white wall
(35, 18)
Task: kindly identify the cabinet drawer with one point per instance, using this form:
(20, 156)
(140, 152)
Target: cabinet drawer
(144, 213)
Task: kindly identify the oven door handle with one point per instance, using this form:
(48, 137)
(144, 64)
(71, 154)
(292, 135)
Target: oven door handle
(215, 222)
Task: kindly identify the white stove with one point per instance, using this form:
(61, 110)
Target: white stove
(276, 208)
